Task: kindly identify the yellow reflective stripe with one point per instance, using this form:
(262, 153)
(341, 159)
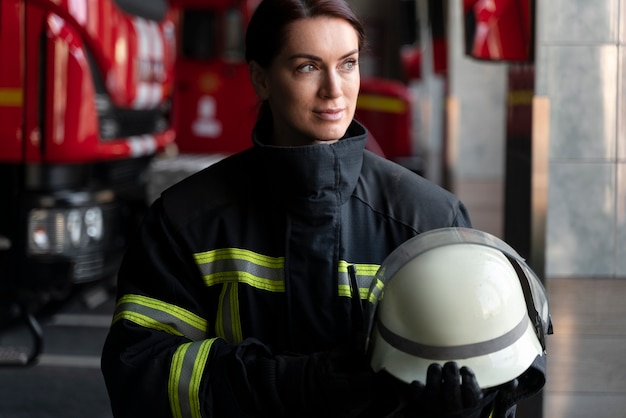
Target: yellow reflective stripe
(364, 275)
(376, 291)
(381, 103)
(238, 253)
(223, 311)
(235, 319)
(147, 322)
(186, 372)
(156, 314)
(174, 379)
(344, 290)
(235, 265)
(11, 97)
(270, 285)
(196, 376)
(361, 269)
(228, 321)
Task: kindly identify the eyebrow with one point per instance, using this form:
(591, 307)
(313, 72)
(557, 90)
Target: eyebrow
(316, 58)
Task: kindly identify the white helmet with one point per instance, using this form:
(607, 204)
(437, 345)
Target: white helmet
(457, 294)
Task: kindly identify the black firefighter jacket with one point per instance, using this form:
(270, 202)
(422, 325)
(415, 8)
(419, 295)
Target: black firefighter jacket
(251, 254)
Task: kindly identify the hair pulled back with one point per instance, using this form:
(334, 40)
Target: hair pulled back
(266, 34)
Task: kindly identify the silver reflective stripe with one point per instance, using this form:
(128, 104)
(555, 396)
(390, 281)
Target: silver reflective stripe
(375, 291)
(158, 315)
(453, 352)
(186, 373)
(228, 322)
(364, 276)
(228, 265)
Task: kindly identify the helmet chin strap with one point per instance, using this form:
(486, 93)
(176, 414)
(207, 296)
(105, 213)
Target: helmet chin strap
(541, 329)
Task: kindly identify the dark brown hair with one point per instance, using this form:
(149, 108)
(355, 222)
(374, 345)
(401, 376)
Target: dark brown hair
(266, 34)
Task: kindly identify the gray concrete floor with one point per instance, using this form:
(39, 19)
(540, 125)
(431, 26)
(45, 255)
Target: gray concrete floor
(586, 354)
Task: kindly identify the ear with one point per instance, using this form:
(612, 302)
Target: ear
(258, 77)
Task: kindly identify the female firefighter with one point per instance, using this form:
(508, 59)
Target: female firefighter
(241, 293)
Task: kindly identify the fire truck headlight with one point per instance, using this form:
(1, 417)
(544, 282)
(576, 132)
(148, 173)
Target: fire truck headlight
(38, 231)
(41, 232)
(40, 238)
(65, 232)
(94, 224)
(74, 227)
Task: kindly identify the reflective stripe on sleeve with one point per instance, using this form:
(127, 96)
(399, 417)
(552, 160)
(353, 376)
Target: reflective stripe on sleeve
(186, 372)
(228, 322)
(234, 265)
(158, 315)
(377, 290)
(364, 275)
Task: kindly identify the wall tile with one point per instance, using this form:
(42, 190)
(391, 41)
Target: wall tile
(621, 100)
(582, 86)
(620, 227)
(578, 21)
(580, 223)
(622, 22)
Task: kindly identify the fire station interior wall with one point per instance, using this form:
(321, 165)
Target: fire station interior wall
(580, 71)
(580, 67)
(476, 123)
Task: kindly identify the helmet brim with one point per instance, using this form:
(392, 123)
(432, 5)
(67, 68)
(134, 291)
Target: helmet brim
(491, 370)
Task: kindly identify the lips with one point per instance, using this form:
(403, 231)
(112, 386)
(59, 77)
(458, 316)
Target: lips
(330, 114)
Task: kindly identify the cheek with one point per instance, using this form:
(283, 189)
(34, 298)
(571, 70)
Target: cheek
(352, 87)
(290, 95)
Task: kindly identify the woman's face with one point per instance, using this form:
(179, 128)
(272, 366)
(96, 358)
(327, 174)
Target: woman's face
(313, 84)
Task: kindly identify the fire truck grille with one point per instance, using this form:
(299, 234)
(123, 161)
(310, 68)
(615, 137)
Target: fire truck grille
(132, 122)
(88, 267)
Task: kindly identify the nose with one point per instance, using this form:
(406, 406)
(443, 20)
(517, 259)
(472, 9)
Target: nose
(331, 85)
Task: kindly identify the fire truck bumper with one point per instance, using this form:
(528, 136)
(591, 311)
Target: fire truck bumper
(74, 237)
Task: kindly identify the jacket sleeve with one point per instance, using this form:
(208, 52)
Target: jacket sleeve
(462, 217)
(161, 357)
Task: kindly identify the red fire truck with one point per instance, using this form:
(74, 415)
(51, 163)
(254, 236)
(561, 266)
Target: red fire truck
(85, 99)
(215, 105)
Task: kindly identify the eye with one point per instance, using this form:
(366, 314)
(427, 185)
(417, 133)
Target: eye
(350, 65)
(306, 68)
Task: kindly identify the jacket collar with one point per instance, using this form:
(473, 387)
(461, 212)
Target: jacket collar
(320, 173)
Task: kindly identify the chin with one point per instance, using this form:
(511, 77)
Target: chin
(325, 141)
(334, 133)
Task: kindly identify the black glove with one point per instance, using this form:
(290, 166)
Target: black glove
(448, 393)
(325, 384)
(525, 386)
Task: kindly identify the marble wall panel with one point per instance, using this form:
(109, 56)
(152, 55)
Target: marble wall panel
(581, 22)
(479, 88)
(621, 100)
(622, 21)
(580, 223)
(581, 82)
(620, 227)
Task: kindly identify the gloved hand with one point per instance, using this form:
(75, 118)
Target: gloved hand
(325, 384)
(448, 393)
